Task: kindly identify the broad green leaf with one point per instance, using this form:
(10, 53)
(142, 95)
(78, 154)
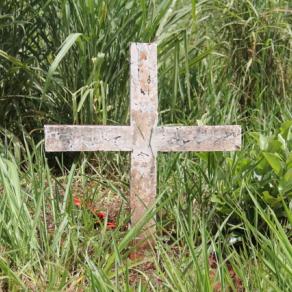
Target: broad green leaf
(274, 161)
(285, 185)
(288, 175)
(273, 201)
(289, 160)
(275, 146)
(289, 135)
(285, 127)
(262, 167)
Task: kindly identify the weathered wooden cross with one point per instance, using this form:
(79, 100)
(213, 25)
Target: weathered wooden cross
(143, 138)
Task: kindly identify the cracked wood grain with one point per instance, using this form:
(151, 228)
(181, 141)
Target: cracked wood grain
(144, 116)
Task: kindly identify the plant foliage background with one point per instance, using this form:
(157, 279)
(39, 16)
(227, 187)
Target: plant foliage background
(220, 62)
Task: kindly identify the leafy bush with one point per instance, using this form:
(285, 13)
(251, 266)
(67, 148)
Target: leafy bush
(264, 170)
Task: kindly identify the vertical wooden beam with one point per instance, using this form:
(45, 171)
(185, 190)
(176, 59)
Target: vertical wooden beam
(144, 117)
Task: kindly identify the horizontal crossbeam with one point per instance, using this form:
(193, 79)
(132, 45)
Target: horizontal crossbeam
(88, 138)
(196, 138)
(163, 139)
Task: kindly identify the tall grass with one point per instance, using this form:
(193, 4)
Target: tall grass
(48, 243)
(220, 62)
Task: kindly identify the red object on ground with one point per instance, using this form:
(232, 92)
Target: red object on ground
(111, 225)
(77, 201)
(101, 215)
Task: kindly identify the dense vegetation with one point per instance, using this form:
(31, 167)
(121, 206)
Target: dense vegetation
(223, 219)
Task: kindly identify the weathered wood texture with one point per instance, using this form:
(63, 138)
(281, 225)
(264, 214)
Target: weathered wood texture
(143, 137)
(144, 116)
(88, 138)
(201, 138)
(128, 138)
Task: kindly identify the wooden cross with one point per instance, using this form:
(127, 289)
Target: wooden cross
(143, 138)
